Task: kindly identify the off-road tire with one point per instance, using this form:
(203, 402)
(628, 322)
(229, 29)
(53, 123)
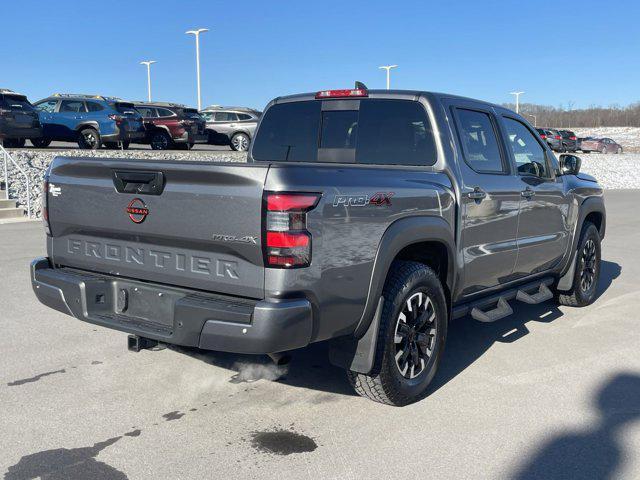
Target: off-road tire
(83, 139)
(40, 142)
(385, 383)
(577, 296)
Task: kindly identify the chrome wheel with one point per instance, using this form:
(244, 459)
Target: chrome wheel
(589, 266)
(415, 335)
(240, 142)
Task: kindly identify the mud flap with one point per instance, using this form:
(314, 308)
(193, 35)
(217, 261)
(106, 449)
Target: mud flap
(357, 354)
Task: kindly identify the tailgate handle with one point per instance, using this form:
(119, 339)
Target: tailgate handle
(149, 183)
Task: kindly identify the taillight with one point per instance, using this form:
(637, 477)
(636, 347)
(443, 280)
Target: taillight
(116, 118)
(45, 203)
(558, 137)
(287, 242)
(355, 92)
(573, 137)
(543, 136)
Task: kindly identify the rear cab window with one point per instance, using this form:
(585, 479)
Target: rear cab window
(365, 131)
(479, 141)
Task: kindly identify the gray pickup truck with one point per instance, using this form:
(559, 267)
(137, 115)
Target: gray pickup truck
(365, 218)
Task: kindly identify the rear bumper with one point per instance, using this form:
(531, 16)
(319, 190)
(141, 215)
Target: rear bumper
(181, 317)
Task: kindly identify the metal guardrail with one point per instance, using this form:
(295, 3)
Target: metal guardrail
(7, 157)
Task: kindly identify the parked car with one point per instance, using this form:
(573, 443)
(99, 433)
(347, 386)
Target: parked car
(171, 125)
(601, 145)
(18, 119)
(373, 245)
(552, 137)
(233, 126)
(90, 120)
(569, 141)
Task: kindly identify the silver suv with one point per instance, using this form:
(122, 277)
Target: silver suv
(233, 126)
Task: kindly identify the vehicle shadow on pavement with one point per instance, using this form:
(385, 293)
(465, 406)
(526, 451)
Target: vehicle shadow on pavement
(598, 451)
(468, 340)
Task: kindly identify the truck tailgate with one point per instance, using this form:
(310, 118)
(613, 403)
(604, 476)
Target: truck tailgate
(190, 224)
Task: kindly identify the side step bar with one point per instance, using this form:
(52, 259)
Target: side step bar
(503, 309)
(542, 295)
(496, 307)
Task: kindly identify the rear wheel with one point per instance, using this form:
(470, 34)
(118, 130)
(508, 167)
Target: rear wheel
(619, 150)
(411, 337)
(160, 141)
(14, 142)
(587, 273)
(89, 139)
(41, 142)
(240, 142)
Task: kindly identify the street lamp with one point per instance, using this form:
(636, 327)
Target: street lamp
(388, 69)
(148, 64)
(197, 33)
(535, 120)
(517, 94)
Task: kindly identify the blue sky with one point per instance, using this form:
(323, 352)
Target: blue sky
(584, 52)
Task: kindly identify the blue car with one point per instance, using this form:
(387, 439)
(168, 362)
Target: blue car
(89, 120)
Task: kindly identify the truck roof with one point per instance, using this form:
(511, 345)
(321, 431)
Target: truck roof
(404, 94)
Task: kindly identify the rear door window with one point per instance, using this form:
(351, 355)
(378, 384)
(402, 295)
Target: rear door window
(73, 106)
(244, 116)
(479, 141)
(225, 117)
(165, 112)
(380, 131)
(94, 107)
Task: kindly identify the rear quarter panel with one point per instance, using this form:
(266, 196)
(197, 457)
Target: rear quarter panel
(346, 239)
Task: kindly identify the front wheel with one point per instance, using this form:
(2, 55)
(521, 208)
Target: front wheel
(411, 337)
(619, 150)
(587, 273)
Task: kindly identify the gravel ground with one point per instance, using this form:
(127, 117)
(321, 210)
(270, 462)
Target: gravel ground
(613, 171)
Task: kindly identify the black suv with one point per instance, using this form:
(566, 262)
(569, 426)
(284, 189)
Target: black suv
(18, 119)
(569, 141)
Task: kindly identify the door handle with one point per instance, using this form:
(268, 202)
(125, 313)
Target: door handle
(477, 194)
(528, 193)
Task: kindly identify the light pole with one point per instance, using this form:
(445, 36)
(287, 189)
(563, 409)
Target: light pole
(517, 94)
(148, 64)
(197, 33)
(388, 69)
(535, 120)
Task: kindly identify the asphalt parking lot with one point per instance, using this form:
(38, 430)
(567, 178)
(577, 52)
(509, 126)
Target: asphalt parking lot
(547, 393)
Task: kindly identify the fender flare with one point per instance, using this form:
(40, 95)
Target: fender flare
(90, 124)
(164, 128)
(590, 205)
(357, 352)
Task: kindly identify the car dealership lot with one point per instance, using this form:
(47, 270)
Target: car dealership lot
(547, 392)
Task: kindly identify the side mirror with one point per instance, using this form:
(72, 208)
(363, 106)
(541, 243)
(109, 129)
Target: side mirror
(569, 164)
